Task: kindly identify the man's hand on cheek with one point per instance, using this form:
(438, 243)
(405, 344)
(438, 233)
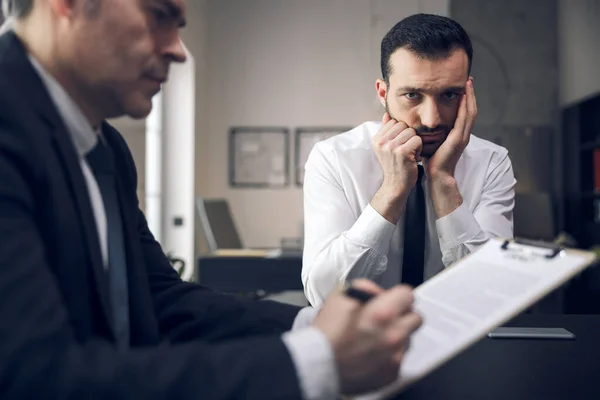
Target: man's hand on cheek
(442, 164)
(440, 167)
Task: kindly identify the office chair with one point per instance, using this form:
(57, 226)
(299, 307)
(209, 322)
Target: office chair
(534, 216)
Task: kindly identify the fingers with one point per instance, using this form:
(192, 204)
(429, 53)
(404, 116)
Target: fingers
(411, 322)
(348, 304)
(388, 131)
(467, 112)
(411, 143)
(386, 118)
(400, 332)
(381, 137)
(402, 298)
(461, 117)
(471, 99)
(367, 286)
(392, 132)
(386, 123)
(471, 109)
(414, 146)
(401, 138)
(386, 307)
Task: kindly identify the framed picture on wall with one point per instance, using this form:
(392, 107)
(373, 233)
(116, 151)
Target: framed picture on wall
(305, 139)
(258, 157)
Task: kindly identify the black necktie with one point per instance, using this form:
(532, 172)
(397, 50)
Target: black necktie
(413, 262)
(101, 161)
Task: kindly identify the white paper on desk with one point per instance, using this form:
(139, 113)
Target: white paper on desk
(463, 303)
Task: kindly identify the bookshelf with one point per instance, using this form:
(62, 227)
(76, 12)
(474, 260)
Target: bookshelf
(581, 166)
(581, 146)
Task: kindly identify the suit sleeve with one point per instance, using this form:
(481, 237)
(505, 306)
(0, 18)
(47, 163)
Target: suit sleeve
(186, 311)
(42, 359)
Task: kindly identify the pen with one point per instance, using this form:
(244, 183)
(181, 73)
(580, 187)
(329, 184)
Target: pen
(357, 294)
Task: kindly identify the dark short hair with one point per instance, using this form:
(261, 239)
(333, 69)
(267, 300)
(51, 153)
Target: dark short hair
(426, 35)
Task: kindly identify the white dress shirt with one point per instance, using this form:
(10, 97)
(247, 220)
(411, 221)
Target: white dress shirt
(345, 238)
(311, 352)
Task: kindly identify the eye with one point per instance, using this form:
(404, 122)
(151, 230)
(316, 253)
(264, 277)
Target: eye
(159, 16)
(411, 96)
(450, 95)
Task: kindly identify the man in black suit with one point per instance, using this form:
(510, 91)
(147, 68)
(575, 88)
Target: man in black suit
(91, 307)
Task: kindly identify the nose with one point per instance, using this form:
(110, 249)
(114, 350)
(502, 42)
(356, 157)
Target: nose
(430, 114)
(175, 50)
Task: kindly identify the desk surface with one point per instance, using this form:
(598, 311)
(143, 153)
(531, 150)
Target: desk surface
(510, 369)
(251, 274)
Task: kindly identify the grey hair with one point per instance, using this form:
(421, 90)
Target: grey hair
(16, 8)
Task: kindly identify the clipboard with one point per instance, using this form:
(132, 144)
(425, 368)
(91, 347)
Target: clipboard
(477, 294)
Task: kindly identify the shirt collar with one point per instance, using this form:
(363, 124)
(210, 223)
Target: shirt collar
(83, 135)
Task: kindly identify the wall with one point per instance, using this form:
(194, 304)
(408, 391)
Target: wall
(515, 70)
(578, 44)
(290, 63)
(515, 59)
(195, 36)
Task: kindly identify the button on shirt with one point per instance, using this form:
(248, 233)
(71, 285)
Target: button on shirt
(346, 238)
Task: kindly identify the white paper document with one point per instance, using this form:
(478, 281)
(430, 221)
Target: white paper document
(463, 303)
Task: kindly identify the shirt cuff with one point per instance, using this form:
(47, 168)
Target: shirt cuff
(304, 318)
(314, 360)
(456, 228)
(372, 231)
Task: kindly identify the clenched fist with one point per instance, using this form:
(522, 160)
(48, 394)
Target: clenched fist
(398, 149)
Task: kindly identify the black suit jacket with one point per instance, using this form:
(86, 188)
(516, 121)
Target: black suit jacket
(56, 342)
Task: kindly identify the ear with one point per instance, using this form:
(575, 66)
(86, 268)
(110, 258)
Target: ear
(381, 88)
(63, 8)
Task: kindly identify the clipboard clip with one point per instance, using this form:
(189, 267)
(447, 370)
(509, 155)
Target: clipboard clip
(553, 248)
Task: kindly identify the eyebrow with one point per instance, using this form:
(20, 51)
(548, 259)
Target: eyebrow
(175, 12)
(412, 89)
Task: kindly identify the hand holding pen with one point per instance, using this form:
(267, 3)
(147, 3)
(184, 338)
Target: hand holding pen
(369, 330)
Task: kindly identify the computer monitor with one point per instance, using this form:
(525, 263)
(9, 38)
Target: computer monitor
(217, 224)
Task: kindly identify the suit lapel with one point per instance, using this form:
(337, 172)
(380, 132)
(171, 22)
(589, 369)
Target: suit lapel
(33, 89)
(72, 168)
(143, 328)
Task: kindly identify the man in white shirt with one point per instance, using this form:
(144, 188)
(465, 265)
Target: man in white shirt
(400, 200)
